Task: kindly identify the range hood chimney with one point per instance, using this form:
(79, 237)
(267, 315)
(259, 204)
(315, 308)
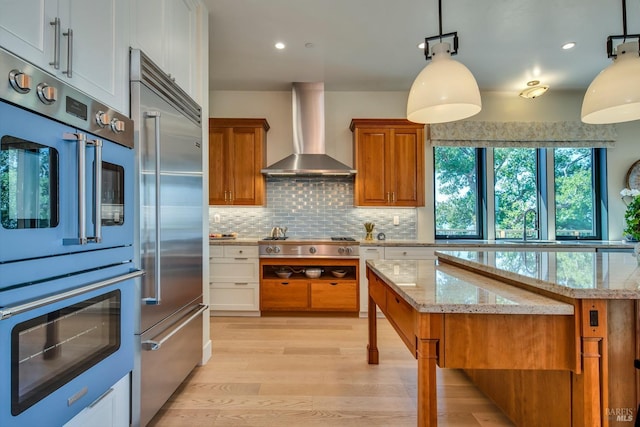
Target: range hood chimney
(308, 156)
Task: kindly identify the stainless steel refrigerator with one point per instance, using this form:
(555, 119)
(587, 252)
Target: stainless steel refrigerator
(169, 235)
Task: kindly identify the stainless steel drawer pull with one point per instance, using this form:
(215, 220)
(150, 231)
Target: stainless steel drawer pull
(241, 259)
(241, 283)
(152, 345)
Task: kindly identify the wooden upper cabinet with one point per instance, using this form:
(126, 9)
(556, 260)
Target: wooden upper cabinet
(389, 160)
(237, 153)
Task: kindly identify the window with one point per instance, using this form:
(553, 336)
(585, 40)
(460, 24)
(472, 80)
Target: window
(576, 193)
(516, 191)
(458, 192)
(524, 180)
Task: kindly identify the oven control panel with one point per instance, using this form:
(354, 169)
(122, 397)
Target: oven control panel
(32, 89)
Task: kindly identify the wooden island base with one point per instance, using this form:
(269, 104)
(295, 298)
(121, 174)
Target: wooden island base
(541, 370)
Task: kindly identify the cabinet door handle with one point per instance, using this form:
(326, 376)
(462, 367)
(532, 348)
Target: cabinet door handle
(333, 284)
(397, 300)
(393, 197)
(69, 35)
(284, 283)
(241, 283)
(56, 43)
(231, 196)
(241, 259)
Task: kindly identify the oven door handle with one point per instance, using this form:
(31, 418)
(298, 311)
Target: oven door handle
(155, 300)
(153, 345)
(7, 312)
(81, 139)
(97, 192)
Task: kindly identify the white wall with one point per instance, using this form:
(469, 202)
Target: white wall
(341, 107)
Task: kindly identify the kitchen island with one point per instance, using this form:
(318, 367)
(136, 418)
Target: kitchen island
(550, 337)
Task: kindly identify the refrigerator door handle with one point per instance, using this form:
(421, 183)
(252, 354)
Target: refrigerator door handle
(155, 300)
(153, 345)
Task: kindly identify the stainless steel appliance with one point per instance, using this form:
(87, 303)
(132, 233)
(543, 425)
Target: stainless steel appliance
(333, 247)
(66, 273)
(169, 235)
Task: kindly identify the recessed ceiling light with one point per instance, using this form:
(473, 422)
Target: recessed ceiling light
(534, 92)
(280, 45)
(533, 83)
(569, 45)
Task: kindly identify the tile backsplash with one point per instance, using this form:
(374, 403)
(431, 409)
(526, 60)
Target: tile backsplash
(312, 207)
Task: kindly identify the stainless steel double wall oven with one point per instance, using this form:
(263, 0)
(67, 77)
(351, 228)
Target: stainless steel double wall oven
(67, 276)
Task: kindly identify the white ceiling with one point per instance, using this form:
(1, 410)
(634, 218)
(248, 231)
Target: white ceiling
(371, 45)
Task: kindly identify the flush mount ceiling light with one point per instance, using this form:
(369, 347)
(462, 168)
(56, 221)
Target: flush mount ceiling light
(445, 90)
(614, 95)
(534, 91)
(279, 45)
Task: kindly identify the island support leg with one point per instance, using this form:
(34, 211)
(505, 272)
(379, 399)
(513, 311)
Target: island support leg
(427, 397)
(372, 348)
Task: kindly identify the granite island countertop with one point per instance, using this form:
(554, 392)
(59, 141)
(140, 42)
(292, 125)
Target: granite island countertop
(430, 287)
(582, 275)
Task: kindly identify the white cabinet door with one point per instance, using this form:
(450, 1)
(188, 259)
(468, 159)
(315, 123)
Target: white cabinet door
(110, 410)
(182, 46)
(100, 49)
(25, 29)
(367, 252)
(166, 31)
(89, 49)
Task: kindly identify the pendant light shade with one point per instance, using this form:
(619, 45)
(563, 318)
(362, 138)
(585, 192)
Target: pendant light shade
(444, 91)
(614, 95)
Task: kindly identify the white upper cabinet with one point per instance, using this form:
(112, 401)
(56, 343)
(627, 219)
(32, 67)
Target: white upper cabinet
(166, 31)
(82, 42)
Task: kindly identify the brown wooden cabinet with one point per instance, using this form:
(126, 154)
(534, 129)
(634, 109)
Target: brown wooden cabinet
(389, 157)
(300, 294)
(237, 153)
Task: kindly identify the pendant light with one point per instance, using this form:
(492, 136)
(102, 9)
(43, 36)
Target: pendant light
(614, 95)
(445, 90)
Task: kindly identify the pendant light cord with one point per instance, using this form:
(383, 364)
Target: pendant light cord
(624, 19)
(440, 18)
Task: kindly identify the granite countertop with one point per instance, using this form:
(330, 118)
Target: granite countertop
(440, 288)
(581, 275)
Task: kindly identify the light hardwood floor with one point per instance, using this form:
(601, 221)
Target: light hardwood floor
(307, 372)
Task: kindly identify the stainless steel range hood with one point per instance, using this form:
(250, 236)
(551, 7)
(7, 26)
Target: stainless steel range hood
(308, 156)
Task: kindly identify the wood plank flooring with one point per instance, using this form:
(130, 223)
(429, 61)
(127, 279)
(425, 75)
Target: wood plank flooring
(308, 372)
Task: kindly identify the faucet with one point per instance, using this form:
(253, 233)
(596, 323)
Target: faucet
(524, 222)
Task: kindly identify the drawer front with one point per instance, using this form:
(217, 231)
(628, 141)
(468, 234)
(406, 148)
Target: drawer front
(338, 296)
(233, 270)
(216, 251)
(401, 314)
(234, 251)
(409, 253)
(378, 291)
(234, 296)
(284, 295)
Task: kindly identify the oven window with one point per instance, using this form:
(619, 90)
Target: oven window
(112, 194)
(28, 184)
(50, 350)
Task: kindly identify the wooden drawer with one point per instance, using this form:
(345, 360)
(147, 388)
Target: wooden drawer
(235, 251)
(233, 270)
(334, 296)
(378, 291)
(401, 315)
(284, 295)
(409, 253)
(239, 296)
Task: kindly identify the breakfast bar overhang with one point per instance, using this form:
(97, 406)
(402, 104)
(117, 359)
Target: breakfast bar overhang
(551, 337)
